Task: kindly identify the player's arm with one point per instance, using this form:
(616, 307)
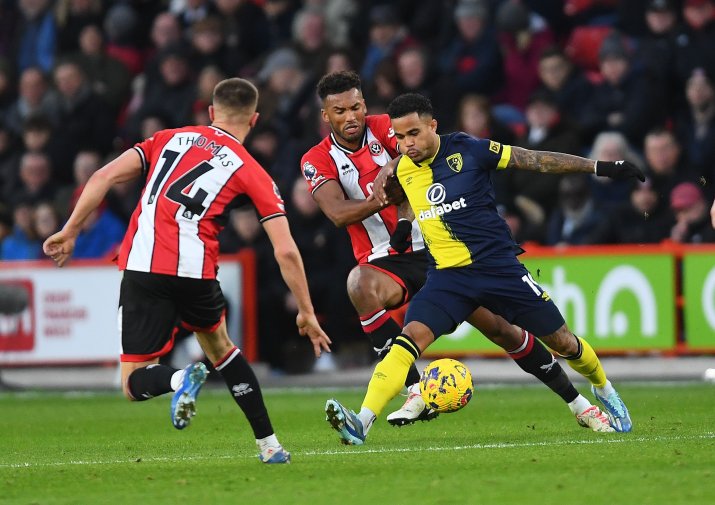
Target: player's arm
(560, 163)
(126, 167)
(291, 264)
(330, 198)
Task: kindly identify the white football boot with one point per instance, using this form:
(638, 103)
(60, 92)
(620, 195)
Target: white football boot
(414, 409)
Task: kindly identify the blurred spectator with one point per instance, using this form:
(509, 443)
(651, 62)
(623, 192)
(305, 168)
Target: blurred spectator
(339, 16)
(101, 235)
(415, 76)
(35, 98)
(165, 34)
(9, 162)
(72, 16)
(208, 46)
(36, 183)
(279, 156)
(475, 118)
(37, 35)
(536, 193)
(472, 58)
(522, 42)
(208, 78)
(642, 220)
(656, 49)
(697, 40)
(173, 94)
(309, 39)
(121, 25)
(85, 164)
(37, 137)
(191, 11)
(692, 222)
(577, 216)
(696, 126)
(47, 221)
(664, 162)
(22, 243)
(384, 87)
(623, 101)
(565, 82)
(7, 86)
(247, 31)
(521, 228)
(388, 38)
(85, 120)
(337, 61)
(107, 76)
(612, 146)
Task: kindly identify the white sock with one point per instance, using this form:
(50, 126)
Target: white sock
(269, 441)
(177, 379)
(367, 417)
(414, 389)
(606, 390)
(579, 405)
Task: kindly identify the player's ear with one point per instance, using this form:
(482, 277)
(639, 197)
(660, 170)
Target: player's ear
(254, 119)
(433, 125)
(324, 115)
(211, 113)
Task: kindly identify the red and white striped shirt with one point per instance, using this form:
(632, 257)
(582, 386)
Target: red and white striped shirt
(194, 175)
(355, 171)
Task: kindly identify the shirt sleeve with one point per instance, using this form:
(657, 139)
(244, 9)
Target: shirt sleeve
(317, 169)
(262, 190)
(494, 156)
(145, 151)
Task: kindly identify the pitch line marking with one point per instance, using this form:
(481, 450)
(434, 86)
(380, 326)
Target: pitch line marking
(378, 450)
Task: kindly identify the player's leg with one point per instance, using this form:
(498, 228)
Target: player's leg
(243, 385)
(147, 323)
(372, 291)
(582, 358)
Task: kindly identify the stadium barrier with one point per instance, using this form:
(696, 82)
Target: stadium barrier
(71, 318)
(624, 299)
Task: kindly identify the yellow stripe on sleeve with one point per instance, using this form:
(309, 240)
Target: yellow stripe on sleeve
(505, 157)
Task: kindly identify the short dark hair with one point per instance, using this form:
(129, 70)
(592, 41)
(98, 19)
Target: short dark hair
(237, 94)
(408, 103)
(338, 82)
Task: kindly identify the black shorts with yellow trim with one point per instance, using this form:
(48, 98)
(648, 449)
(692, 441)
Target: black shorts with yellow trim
(450, 295)
(151, 306)
(409, 270)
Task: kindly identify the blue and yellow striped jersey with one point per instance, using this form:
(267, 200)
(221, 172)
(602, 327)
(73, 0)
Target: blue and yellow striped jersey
(453, 200)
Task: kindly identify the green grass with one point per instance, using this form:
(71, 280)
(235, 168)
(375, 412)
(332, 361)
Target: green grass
(514, 445)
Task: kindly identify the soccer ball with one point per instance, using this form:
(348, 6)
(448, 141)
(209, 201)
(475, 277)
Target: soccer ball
(446, 385)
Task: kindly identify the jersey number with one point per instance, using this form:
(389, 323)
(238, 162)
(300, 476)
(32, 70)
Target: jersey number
(193, 205)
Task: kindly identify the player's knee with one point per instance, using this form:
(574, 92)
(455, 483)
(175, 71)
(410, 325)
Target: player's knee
(420, 334)
(362, 289)
(562, 341)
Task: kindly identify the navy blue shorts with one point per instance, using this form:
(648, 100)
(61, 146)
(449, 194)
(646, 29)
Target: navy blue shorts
(451, 294)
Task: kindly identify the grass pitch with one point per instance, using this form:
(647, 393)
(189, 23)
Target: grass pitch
(511, 445)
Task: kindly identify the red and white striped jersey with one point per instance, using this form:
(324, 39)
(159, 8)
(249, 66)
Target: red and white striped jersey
(355, 171)
(194, 175)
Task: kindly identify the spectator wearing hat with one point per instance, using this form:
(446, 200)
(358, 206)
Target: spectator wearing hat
(546, 130)
(695, 126)
(565, 82)
(657, 48)
(388, 38)
(692, 222)
(521, 44)
(472, 59)
(696, 42)
(624, 101)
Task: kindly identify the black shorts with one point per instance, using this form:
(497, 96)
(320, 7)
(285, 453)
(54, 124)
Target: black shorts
(450, 295)
(151, 306)
(409, 270)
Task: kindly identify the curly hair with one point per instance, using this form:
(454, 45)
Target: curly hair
(338, 82)
(408, 103)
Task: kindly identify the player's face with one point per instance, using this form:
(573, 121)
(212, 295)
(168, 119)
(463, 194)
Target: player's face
(417, 136)
(345, 113)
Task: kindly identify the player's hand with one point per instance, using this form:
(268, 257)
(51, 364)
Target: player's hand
(619, 170)
(386, 187)
(59, 246)
(401, 238)
(308, 326)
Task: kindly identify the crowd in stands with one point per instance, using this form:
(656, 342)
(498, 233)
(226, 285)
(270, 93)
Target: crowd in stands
(82, 80)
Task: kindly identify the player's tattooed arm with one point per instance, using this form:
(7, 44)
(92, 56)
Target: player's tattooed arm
(547, 161)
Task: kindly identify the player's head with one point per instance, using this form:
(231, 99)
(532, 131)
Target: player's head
(343, 106)
(235, 101)
(415, 127)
